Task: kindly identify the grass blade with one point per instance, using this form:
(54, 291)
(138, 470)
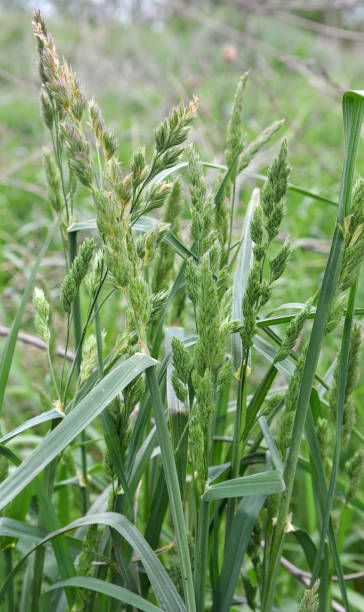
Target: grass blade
(174, 494)
(241, 528)
(163, 588)
(75, 422)
(100, 586)
(49, 415)
(266, 483)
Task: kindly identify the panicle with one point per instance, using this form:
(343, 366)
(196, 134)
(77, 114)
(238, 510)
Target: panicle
(278, 264)
(310, 600)
(75, 276)
(89, 357)
(354, 468)
(252, 149)
(53, 179)
(42, 310)
(293, 330)
(234, 131)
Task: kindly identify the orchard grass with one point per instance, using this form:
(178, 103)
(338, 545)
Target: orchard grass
(169, 477)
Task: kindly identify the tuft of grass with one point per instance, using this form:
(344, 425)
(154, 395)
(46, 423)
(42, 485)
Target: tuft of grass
(173, 463)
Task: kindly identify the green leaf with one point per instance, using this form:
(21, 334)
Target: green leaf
(163, 588)
(40, 418)
(110, 590)
(241, 528)
(8, 352)
(266, 483)
(18, 529)
(174, 494)
(72, 425)
(307, 545)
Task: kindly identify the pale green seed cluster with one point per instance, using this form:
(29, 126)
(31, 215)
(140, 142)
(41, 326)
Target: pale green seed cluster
(200, 202)
(235, 136)
(354, 238)
(130, 197)
(120, 411)
(336, 313)
(78, 150)
(163, 267)
(42, 310)
(264, 228)
(254, 147)
(73, 279)
(271, 403)
(283, 438)
(94, 278)
(324, 438)
(85, 567)
(54, 181)
(57, 77)
(310, 600)
(353, 374)
(293, 330)
(182, 364)
(89, 357)
(354, 468)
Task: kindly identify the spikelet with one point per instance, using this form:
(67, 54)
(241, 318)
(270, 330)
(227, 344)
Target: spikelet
(234, 139)
(310, 600)
(75, 276)
(41, 306)
(54, 181)
(354, 468)
(163, 266)
(283, 438)
(252, 149)
(324, 437)
(278, 263)
(293, 330)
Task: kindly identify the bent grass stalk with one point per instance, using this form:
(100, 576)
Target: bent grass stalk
(173, 489)
(343, 371)
(353, 106)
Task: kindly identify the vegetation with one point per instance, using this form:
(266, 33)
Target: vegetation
(196, 404)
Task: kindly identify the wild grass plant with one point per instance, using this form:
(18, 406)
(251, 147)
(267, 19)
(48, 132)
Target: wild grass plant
(181, 495)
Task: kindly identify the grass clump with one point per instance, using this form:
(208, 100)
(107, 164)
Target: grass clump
(194, 460)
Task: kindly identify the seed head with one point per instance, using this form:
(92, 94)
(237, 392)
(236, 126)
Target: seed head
(53, 179)
(42, 309)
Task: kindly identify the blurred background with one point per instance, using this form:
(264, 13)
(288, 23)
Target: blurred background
(141, 57)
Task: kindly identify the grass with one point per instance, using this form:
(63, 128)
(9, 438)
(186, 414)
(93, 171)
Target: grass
(171, 470)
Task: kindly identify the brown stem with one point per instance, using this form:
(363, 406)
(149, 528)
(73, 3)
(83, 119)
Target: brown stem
(36, 342)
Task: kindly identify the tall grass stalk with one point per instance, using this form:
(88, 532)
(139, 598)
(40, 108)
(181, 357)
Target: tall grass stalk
(353, 107)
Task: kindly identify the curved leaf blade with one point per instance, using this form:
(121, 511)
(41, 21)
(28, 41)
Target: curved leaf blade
(265, 483)
(164, 589)
(72, 425)
(111, 590)
(49, 415)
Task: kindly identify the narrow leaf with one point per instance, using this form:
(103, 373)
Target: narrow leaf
(72, 425)
(265, 483)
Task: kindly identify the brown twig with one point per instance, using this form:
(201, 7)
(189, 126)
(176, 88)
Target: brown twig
(36, 342)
